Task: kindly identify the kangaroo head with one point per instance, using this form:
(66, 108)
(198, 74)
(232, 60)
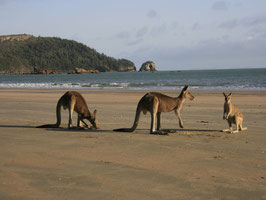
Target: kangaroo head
(93, 120)
(187, 94)
(227, 98)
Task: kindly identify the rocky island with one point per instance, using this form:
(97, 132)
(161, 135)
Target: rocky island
(147, 66)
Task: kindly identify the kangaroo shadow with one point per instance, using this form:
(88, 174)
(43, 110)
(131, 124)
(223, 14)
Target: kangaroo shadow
(16, 126)
(191, 130)
(75, 129)
(62, 129)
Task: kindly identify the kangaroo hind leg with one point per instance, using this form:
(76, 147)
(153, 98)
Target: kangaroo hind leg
(158, 121)
(238, 121)
(71, 107)
(237, 128)
(153, 110)
(241, 126)
(154, 114)
(78, 121)
(153, 117)
(230, 128)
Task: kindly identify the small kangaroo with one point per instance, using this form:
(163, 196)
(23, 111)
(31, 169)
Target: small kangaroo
(73, 101)
(232, 114)
(156, 103)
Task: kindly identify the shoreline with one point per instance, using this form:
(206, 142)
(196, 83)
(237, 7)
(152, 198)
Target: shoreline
(140, 89)
(257, 92)
(198, 161)
(201, 80)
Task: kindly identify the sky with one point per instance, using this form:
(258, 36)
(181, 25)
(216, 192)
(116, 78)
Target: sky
(175, 34)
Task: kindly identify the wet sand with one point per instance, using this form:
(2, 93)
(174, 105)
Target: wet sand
(197, 162)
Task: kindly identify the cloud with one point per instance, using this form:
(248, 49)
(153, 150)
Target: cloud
(152, 14)
(158, 30)
(174, 25)
(230, 24)
(220, 5)
(253, 21)
(196, 26)
(122, 35)
(135, 42)
(142, 31)
(212, 53)
(244, 22)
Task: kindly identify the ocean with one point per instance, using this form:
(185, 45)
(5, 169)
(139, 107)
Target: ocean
(226, 79)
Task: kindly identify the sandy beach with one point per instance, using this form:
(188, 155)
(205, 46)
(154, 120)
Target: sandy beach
(197, 162)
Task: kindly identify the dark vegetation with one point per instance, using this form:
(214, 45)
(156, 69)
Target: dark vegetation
(50, 53)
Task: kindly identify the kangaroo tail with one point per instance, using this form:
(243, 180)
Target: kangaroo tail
(48, 126)
(58, 116)
(135, 124)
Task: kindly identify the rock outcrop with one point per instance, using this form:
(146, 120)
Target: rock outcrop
(45, 71)
(147, 66)
(83, 71)
(127, 69)
(19, 37)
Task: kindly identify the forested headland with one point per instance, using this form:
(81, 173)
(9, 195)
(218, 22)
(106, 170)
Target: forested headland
(24, 53)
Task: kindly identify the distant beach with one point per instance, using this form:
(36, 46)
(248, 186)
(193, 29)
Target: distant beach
(226, 79)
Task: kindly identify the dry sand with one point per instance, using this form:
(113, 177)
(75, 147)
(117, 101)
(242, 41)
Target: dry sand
(197, 162)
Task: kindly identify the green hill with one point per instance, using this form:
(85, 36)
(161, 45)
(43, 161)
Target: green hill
(23, 53)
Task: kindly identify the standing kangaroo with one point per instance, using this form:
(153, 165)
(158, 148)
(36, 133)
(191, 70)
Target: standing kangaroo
(156, 103)
(232, 114)
(73, 101)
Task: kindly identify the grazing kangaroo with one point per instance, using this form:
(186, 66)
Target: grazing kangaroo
(232, 114)
(155, 103)
(73, 101)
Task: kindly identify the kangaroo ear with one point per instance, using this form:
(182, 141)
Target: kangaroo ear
(185, 87)
(230, 94)
(224, 94)
(95, 112)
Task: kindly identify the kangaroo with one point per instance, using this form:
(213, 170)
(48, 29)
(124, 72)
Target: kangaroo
(73, 101)
(156, 103)
(232, 114)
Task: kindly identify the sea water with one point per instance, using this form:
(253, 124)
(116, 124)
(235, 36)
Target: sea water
(227, 79)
